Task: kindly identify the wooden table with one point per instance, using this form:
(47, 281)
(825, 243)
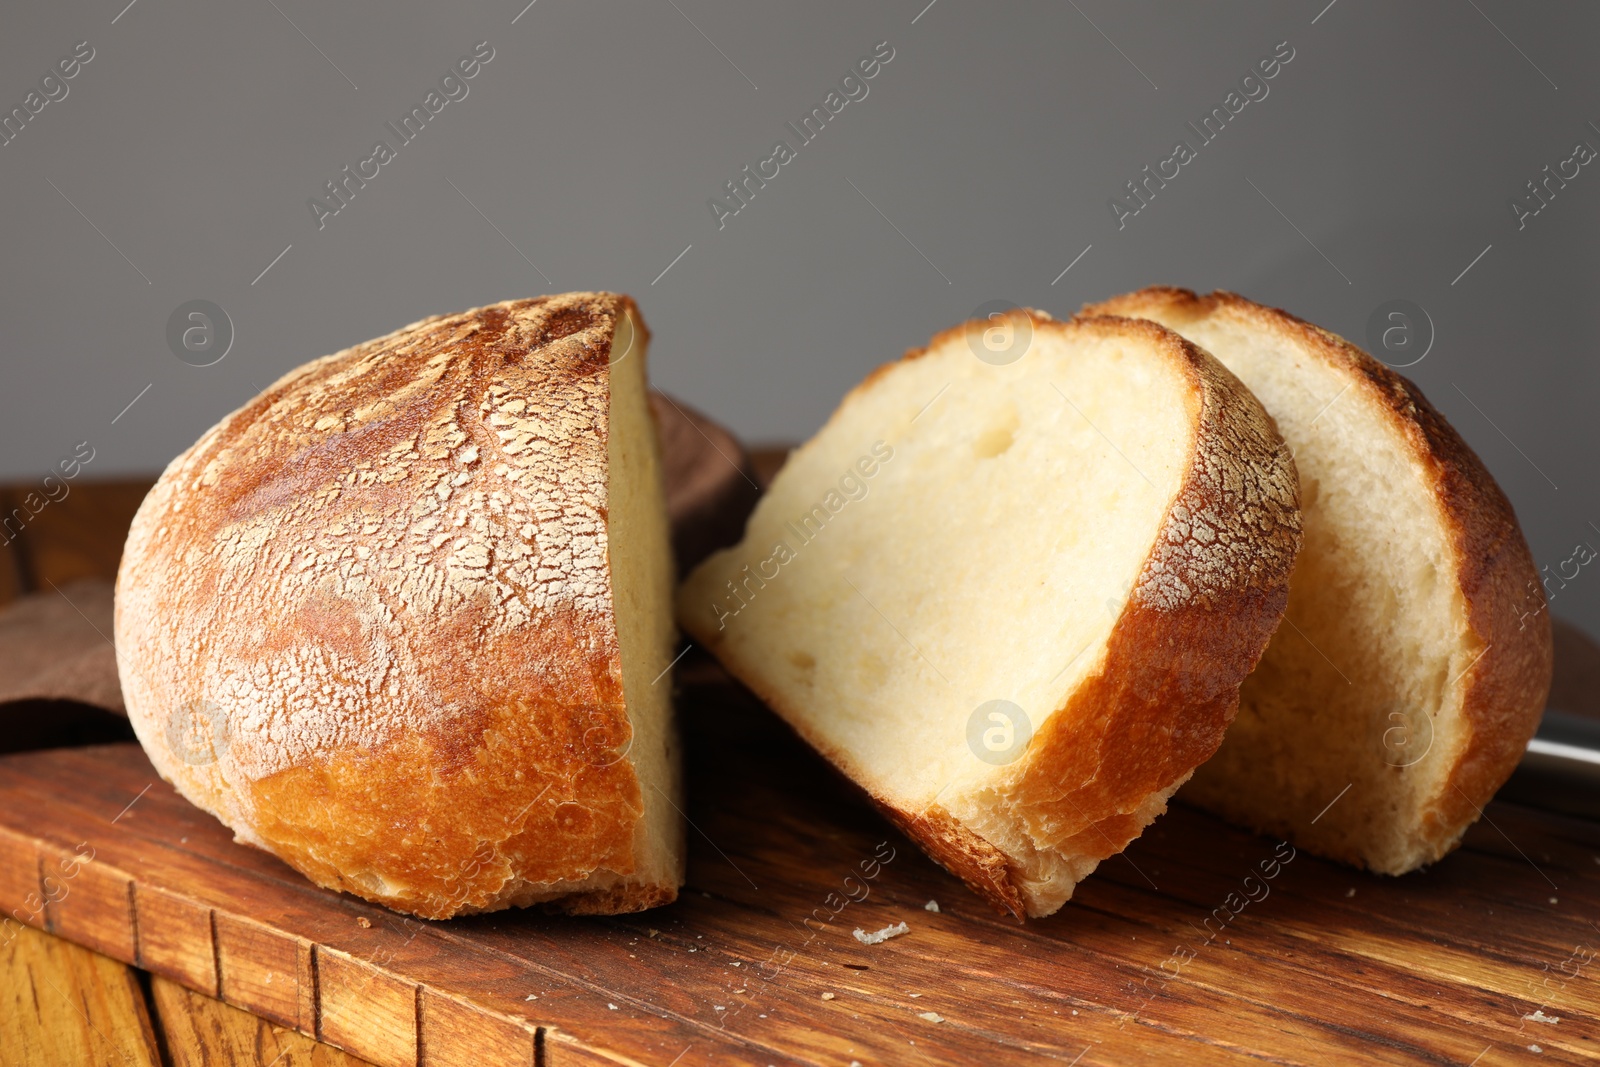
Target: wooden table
(1466, 963)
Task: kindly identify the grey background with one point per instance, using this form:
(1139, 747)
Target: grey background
(992, 140)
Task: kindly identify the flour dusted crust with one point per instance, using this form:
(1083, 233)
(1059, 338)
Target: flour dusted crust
(1206, 602)
(368, 620)
(1494, 704)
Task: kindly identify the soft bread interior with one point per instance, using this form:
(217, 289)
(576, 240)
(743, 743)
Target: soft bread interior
(958, 533)
(1361, 687)
(638, 549)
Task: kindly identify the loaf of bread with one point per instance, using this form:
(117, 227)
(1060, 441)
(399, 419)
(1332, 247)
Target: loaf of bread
(1012, 586)
(1415, 657)
(404, 619)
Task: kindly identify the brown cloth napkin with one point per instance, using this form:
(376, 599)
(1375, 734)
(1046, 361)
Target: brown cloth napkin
(711, 485)
(56, 644)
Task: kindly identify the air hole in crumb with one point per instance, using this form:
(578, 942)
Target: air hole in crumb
(997, 438)
(804, 660)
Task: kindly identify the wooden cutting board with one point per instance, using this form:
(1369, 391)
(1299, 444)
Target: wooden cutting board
(1166, 955)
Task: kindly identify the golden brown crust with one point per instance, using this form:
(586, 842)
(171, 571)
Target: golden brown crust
(1507, 686)
(983, 868)
(384, 586)
(618, 899)
(1206, 603)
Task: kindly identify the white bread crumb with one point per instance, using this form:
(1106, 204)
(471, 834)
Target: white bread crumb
(932, 905)
(881, 935)
(931, 1016)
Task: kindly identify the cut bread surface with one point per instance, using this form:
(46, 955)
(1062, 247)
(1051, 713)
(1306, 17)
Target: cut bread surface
(639, 555)
(962, 590)
(1416, 655)
(403, 619)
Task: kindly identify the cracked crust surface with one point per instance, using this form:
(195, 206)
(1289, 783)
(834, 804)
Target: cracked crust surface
(367, 620)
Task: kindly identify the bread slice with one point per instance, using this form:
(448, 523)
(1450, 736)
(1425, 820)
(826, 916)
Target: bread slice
(1015, 602)
(403, 619)
(1415, 657)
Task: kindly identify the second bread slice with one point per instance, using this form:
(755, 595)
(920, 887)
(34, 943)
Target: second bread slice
(1415, 656)
(1013, 597)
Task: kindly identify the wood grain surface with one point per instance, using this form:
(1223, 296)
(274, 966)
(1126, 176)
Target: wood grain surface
(1183, 950)
(197, 1031)
(62, 1004)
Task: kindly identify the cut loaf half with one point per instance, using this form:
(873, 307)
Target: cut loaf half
(1415, 658)
(1012, 594)
(401, 619)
